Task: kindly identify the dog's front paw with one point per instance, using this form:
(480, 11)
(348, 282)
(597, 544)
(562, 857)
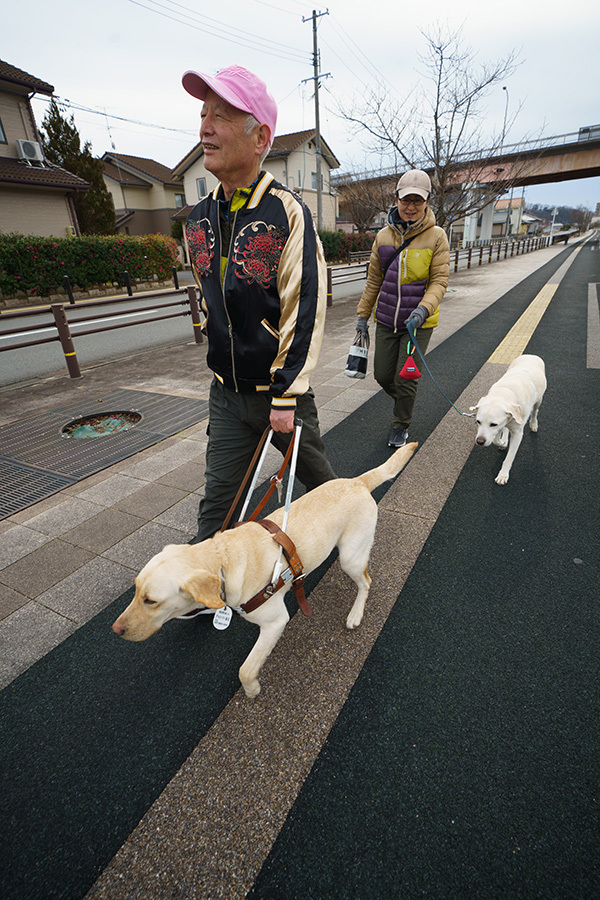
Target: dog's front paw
(501, 477)
(354, 619)
(252, 688)
(249, 680)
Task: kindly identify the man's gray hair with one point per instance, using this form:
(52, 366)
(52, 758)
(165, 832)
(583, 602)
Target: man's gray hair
(250, 125)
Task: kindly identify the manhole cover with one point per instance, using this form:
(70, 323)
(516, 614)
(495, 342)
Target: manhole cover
(101, 424)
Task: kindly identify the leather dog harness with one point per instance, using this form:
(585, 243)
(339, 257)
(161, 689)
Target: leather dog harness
(294, 573)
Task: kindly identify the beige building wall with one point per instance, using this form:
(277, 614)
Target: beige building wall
(329, 208)
(116, 193)
(153, 207)
(27, 211)
(299, 163)
(17, 123)
(190, 182)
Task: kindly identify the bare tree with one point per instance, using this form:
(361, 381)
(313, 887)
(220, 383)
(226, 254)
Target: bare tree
(361, 200)
(440, 126)
(581, 217)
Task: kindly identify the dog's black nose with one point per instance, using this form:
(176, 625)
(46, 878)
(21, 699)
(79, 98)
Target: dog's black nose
(480, 441)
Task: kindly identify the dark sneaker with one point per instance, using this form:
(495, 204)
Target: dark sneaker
(398, 437)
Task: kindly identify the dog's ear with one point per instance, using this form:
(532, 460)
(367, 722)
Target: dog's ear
(516, 412)
(205, 588)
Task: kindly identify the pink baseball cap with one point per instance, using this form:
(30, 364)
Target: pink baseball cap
(240, 88)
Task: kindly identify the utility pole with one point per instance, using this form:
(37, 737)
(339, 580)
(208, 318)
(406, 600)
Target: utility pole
(314, 17)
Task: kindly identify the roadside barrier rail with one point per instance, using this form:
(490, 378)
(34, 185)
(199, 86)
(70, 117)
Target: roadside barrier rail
(187, 297)
(356, 270)
(344, 275)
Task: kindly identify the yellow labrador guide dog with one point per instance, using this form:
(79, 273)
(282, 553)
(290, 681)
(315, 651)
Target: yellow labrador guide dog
(512, 401)
(230, 568)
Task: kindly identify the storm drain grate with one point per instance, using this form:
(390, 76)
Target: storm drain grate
(21, 486)
(37, 446)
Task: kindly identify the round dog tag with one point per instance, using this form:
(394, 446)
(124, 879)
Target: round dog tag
(222, 618)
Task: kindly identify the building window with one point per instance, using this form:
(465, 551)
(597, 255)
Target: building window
(299, 178)
(314, 180)
(2, 134)
(201, 183)
(179, 201)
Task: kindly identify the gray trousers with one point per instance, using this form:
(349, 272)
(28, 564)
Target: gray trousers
(236, 423)
(390, 356)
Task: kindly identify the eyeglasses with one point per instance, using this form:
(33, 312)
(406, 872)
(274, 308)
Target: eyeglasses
(408, 202)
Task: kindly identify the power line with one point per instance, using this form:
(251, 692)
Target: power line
(369, 67)
(222, 25)
(102, 112)
(304, 6)
(252, 42)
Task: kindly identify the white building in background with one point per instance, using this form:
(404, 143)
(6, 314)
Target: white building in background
(292, 161)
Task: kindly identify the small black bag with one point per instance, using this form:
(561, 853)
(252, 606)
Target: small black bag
(356, 364)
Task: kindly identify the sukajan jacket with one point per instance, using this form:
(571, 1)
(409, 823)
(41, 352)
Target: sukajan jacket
(418, 275)
(265, 319)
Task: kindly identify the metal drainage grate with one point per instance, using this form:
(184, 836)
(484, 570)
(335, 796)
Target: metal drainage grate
(37, 446)
(21, 486)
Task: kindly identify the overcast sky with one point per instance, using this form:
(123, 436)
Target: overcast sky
(123, 59)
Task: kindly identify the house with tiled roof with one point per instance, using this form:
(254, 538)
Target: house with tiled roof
(292, 160)
(36, 197)
(145, 194)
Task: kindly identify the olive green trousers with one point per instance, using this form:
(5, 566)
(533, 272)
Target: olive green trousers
(390, 356)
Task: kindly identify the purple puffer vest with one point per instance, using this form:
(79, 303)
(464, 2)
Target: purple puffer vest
(392, 310)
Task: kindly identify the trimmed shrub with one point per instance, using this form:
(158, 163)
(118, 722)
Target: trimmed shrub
(37, 265)
(338, 244)
(331, 244)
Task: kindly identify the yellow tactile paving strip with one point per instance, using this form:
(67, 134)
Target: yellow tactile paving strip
(520, 334)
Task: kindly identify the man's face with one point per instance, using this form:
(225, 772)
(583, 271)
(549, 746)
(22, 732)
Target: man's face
(229, 153)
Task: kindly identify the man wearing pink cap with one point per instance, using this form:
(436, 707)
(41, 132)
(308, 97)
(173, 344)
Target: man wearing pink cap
(260, 268)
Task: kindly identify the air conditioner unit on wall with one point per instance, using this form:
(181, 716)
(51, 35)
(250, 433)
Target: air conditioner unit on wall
(30, 151)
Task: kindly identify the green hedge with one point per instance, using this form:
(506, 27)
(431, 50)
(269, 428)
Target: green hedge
(37, 265)
(338, 244)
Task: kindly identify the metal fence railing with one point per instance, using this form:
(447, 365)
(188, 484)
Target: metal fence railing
(58, 329)
(463, 257)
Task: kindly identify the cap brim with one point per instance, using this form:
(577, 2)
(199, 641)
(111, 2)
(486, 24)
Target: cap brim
(404, 193)
(198, 86)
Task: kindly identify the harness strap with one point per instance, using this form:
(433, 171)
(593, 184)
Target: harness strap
(275, 480)
(263, 438)
(295, 573)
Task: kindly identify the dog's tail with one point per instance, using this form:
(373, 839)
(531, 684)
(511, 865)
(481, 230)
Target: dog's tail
(374, 477)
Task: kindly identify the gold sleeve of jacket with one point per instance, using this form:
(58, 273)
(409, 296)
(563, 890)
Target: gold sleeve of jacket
(373, 284)
(439, 272)
(302, 288)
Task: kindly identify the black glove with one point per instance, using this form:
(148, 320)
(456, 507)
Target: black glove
(417, 317)
(362, 325)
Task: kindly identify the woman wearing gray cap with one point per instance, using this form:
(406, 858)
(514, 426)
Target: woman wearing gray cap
(406, 280)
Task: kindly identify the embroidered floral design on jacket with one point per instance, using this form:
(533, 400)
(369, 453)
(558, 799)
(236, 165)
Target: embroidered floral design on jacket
(201, 240)
(257, 251)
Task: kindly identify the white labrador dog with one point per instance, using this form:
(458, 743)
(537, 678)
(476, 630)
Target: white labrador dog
(233, 566)
(510, 403)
